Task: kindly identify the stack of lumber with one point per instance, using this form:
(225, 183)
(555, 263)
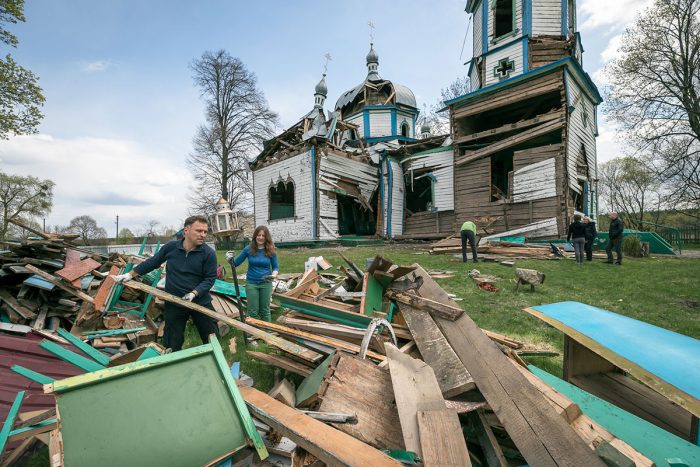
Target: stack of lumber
(496, 251)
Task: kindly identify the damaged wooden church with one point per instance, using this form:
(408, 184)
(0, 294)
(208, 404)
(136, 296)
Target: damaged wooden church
(521, 151)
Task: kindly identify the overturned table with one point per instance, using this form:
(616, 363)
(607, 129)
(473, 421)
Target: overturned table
(649, 371)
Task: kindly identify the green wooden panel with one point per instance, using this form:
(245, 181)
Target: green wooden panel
(173, 411)
(149, 352)
(111, 332)
(311, 383)
(87, 349)
(314, 309)
(373, 296)
(10, 420)
(71, 357)
(227, 288)
(655, 443)
(32, 375)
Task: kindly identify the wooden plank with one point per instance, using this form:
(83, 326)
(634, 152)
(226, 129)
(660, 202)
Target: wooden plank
(547, 117)
(49, 278)
(73, 358)
(105, 290)
(276, 341)
(23, 311)
(10, 420)
(326, 443)
(338, 344)
(284, 392)
(487, 440)
(281, 362)
(77, 270)
(32, 375)
(542, 437)
(307, 392)
(452, 376)
(87, 349)
(415, 389)
(358, 387)
(441, 439)
(426, 304)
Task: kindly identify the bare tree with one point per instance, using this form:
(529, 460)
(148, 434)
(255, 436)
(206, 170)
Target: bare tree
(238, 121)
(629, 186)
(86, 227)
(150, 228)
(438, 120)
(23, 198)
(654, 94)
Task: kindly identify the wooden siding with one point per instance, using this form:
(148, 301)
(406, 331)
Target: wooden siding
(535, 181)
(545, 50)
(359, 121)
(513, 52)
(400, 117)
(430, 225)
(580, 135)
(546, 17)
(379, 123)
(478, 29)
(397, 198)
(299, 170)
(331, 169)
(442, 167)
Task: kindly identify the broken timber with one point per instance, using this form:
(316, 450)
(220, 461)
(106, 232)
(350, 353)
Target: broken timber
(326, 443)
(540, 434)
(283, 344)
(423, 303)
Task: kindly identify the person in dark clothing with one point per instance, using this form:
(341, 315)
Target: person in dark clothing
(191, 273)
(615, 238)
(591, 232)
(468, 233)
(577, 233)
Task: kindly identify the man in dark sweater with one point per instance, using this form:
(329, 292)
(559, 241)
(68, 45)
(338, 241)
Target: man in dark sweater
(190, 274)
(591, 233)
(615, 238)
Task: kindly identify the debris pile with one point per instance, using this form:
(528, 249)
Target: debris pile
(493, 250)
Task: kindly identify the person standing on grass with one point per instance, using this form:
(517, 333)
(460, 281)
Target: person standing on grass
(191, 273)
(262, 270)
(591, 232)
(615, 238)
(577, 233)
(468, 233)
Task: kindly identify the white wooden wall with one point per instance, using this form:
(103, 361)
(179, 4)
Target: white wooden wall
(299, 169)
(379, 123)
(331, 168)
(580, 135)
(400, 117)
(546, 17)
(535, 181)
(477, 28)
(442, 167)
(513, 52)
(518, 30)
(397, 198)
(358, 120)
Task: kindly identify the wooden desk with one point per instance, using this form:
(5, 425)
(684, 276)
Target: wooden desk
(651, 372)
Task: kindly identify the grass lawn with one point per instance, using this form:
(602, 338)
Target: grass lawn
(661, 291)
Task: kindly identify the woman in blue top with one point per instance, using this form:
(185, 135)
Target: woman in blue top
(262, 270)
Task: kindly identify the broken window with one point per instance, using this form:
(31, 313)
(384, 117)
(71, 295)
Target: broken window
(503, 17)
(354, 218)
(501, 175)
(404, 129)
(282, 200)
(419, 193)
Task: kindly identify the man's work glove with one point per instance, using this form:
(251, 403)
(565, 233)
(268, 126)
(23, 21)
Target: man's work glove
(121, 278)
(230, 255)
(189, 297)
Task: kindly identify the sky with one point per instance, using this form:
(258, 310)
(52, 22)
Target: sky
(121, 108)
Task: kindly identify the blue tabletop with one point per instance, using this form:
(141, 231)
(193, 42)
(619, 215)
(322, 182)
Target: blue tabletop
(672, 357)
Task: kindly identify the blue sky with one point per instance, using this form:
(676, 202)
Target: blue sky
(121, 109)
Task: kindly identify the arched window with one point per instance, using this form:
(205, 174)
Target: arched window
(405, 131)
(281, 198)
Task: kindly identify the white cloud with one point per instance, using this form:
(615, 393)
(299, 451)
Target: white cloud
(609, 142)
(96, 66)
(612, 49)
(101, 178)
(616, 13)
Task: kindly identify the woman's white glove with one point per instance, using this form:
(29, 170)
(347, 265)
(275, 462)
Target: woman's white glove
(121, 278)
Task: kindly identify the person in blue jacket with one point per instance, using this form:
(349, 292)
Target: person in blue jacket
(262, 270)
(191, 273)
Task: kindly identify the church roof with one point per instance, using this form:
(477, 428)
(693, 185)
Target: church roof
(403, 96)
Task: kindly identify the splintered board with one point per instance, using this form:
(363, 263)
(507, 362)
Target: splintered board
(178, 409)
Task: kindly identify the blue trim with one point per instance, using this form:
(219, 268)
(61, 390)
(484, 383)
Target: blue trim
(380, 107)
(526, 59)
(365, 122)
(527, 17)
(484, 28)
(567, 91)
(381, 189)
(313, 192)
(393, 121)
(578, 41)
(564, 17)
(569, 62)
(389, 138)
(390, 174)
(585, 198)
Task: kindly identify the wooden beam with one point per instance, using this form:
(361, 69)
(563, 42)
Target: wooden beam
(487, 440)
(281, 362)
(283, 344)
(510, 127)
(50, 278)
(540, 434)
(521, 137)
(426, 304)
(441, 439)
(326, 443)
(338, 344)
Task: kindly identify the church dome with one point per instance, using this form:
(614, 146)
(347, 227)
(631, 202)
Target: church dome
(321, 87)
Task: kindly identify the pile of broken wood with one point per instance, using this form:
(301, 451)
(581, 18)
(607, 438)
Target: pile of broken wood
(498, 250)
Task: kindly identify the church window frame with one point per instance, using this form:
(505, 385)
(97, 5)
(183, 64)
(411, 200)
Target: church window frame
(405, 129)
(500, 9)
(278, 209)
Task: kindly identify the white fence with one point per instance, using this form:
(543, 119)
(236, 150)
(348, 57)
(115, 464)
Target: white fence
(128, 249)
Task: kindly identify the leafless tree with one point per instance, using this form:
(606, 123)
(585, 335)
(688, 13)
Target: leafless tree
(627, 185)
(238, 121)
(150, 228)
(654, 95)
(440, 121)
(23, 198)
(87, 228)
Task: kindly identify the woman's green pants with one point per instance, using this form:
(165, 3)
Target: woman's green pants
(259, 295)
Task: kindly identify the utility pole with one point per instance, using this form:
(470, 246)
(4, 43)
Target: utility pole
(44, 224)
(116, 236)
